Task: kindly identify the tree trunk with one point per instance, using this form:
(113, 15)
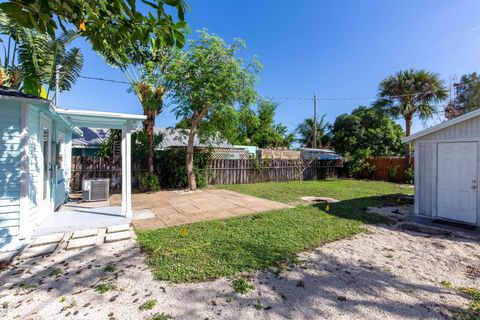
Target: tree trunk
(148, 126)
(192, 182)
(408, 147)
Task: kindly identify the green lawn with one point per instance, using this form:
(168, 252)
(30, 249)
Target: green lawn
(211, 249)
(342, 189)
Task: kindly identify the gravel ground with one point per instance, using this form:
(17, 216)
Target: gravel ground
(384, 274)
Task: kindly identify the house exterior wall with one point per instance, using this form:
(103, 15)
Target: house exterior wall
(10, 146)
(426, 163)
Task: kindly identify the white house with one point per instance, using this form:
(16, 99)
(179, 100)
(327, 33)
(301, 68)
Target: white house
(447, 161)
(35, 157)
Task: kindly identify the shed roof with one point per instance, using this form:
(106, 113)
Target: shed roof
(442, 125)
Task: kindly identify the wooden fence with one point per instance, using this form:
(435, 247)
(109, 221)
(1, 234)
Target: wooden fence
(385, 167)
(99, 167)
(268, 170)
(220, 171)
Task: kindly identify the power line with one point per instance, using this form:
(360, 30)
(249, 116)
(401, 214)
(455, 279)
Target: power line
(103, 79)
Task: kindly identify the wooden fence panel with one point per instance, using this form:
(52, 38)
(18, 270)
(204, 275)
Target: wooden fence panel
(382, 167)
(219, 171)
(223, 171)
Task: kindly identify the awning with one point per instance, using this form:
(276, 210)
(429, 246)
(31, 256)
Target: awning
(99, 119)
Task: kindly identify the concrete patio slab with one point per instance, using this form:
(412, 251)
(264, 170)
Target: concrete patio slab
(118, 236)
(119, 228)
(84, 233)
(81, 243)
(47, 239)
(39, 251)
(7, 256)
(172, 208)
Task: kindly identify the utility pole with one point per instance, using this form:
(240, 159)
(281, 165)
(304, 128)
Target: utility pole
(314, 121)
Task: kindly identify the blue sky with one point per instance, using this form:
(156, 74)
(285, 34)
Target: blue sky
(337, 48)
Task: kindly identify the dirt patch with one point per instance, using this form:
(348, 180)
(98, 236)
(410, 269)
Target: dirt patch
(319, 199)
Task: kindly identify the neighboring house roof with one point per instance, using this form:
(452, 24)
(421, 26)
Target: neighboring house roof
(322, 154)
(442, 125)
(92, 138)
(9, 92)
(179, 137)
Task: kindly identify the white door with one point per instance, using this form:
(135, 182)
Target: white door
(457, 181)
(46, 168)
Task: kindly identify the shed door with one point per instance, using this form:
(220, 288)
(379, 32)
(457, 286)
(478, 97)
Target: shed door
(457, 181)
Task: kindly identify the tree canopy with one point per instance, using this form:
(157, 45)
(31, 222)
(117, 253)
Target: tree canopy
(306, 130)
(367, 129)
(467, 96)
(107, 24)
(205, 83)
(259, 128)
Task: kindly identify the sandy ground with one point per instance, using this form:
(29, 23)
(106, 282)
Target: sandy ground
(384, 274)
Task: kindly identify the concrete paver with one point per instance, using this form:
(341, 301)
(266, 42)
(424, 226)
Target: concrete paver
(171, 208)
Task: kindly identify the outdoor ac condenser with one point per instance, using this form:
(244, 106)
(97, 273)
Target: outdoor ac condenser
(95, 189)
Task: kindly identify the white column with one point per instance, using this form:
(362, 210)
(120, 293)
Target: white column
(126, 172)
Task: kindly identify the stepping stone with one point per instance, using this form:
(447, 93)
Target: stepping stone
(117, 236)
(39, 250)
(119, 228)
(7, 256)
(47, 239)
(82, 242)
(84, 233)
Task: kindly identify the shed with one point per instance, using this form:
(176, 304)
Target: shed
(447, 170)
(35, 158)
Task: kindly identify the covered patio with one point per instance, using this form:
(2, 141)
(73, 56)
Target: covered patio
(74, 216)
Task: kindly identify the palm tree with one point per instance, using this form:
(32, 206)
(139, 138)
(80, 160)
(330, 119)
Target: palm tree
(31, 59)
(411, 93)
(305, 131)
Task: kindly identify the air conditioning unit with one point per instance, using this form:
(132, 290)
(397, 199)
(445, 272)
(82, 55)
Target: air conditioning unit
(96, 189)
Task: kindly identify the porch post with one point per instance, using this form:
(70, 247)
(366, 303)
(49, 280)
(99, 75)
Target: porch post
(126, 172)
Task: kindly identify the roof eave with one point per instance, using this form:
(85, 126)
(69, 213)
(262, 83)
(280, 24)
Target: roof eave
(441, 126)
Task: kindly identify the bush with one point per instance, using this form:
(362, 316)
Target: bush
(392, 172)
(409, 175)
(147, 183)
(173, 170)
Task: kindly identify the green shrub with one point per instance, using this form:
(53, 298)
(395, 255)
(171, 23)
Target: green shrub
(240, 285)
(392, 172)
(148, 305)
(173, 170)
(147, 183)
(409, 176)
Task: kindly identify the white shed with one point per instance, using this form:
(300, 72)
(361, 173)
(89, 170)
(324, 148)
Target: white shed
(447, 161)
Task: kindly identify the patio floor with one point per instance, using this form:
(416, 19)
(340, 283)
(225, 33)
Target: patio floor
(171, 208)
(81, 216)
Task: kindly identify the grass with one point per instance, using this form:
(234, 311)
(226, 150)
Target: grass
(109, 268)
(56, 272)
(240, 285)
(26, 286)
(213, 249)
(161, 316)
(148, 305)
(105, 287)
(473, 310)
(342, 189)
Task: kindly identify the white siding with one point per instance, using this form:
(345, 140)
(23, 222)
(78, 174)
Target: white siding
(35, 154)
(426, 155)
(9, 172)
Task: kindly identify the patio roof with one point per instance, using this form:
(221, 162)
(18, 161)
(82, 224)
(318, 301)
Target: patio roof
(98, 119)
